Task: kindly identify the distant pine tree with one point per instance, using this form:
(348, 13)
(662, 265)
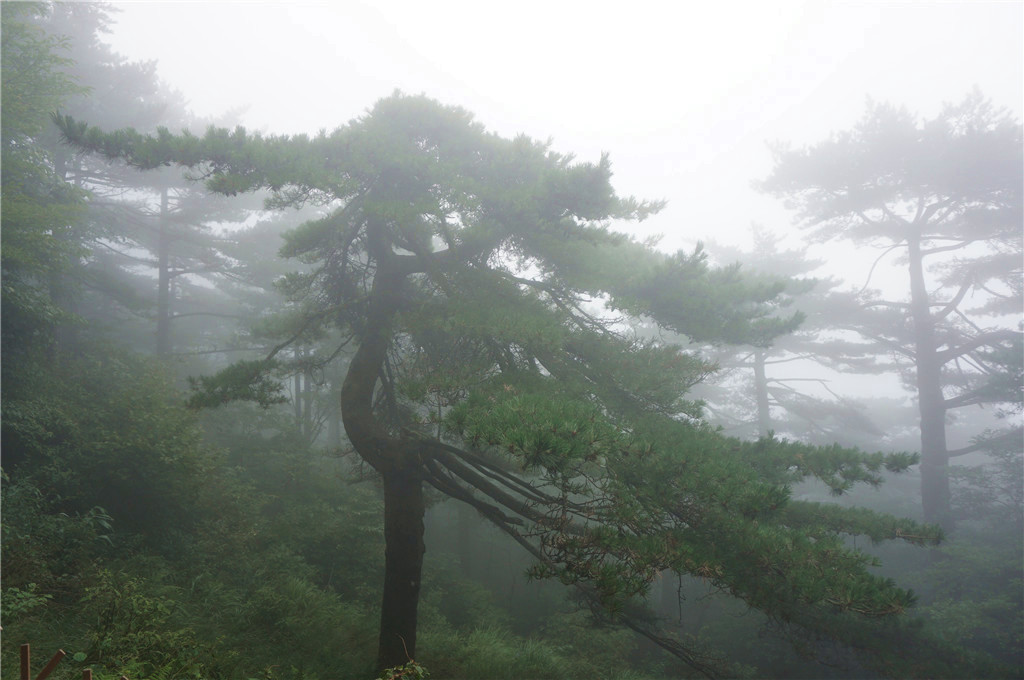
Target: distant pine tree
(948, 192)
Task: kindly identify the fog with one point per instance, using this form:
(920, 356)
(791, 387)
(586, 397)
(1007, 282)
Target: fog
(529, 341)
(684, 96)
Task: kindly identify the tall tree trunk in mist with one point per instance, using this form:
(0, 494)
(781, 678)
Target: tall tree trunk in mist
(764, 414)
(307, 406)
(334, 426)
(163, 294)
(935, 495)
(65, 333)
(403, 535)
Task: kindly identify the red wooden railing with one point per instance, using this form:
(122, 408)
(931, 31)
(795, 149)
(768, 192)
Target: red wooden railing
(26, 665)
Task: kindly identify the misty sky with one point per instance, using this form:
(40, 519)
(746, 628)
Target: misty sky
(684, 95)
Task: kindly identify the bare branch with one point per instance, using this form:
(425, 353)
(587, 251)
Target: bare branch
(955, 302)
(1014, 434)
(943, 249)
(985, 339)
(871, 272)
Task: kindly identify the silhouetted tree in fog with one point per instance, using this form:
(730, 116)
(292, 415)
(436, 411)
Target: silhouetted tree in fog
(759, 394)
(946, 193)
(150, 250)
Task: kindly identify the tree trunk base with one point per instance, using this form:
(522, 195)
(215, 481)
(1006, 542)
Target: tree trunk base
(403, 535)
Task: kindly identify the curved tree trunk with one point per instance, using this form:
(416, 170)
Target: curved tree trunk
(398, 463)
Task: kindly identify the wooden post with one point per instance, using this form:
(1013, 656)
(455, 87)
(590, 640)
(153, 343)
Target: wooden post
(26, 662)
(53, 664)
(87, 674)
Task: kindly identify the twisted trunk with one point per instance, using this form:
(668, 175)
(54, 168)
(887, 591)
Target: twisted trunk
(397, 461)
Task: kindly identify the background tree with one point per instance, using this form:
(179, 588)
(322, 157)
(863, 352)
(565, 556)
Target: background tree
(151, 253)
(946, 193)
(456, 257)
(753, 394)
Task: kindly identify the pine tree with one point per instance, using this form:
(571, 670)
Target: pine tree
(475, 279)
(140, 228)
(945, 192)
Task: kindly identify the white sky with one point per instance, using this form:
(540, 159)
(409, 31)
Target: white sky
(683, 95)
